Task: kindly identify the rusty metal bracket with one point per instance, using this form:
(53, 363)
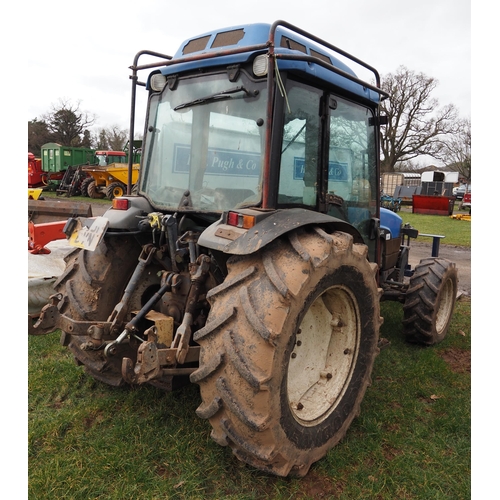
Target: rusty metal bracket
(153, 363)
(147, 366)
(131, 326)
(46, 321)
(50, 319)
(199, 272)
(116, 317)
(56, 210)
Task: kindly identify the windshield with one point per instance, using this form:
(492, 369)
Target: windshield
(104, 160)
(204, 144)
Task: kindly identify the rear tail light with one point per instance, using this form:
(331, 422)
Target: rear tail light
(240, 220)
(120, 203)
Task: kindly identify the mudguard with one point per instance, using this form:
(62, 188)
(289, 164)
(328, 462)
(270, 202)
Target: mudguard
(270, 225)
(128, 219)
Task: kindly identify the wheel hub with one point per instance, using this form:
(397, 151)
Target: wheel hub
(445, 307)
(323, 359)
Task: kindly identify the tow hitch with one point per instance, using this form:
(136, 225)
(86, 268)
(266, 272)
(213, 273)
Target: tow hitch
(153, 362)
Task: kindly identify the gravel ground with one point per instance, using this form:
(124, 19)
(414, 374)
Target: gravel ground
(460, 255)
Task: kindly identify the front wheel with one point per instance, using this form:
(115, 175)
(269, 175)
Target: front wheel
(288, 349)
(115, 190)
(430, 301)
(84, 186)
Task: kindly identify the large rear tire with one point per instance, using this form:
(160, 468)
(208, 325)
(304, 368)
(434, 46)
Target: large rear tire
(288, 349)
(430, 301)
(93, 192)
(92, 285)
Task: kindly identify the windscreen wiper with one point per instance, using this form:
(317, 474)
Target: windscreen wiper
(224, 94)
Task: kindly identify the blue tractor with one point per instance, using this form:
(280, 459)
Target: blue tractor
(252, 255)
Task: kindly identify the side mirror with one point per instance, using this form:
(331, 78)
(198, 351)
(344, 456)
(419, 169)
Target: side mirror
(378, 120)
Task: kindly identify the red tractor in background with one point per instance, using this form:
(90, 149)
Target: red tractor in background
(36, 175)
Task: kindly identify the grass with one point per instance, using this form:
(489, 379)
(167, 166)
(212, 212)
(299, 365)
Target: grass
(411, 441)
(456, 232)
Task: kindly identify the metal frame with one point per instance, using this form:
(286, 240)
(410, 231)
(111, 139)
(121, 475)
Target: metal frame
(270, 47)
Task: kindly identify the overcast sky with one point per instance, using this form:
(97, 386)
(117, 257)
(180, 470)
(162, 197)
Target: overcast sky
(84, 55)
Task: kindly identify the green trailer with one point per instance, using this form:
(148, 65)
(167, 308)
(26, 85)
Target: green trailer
(57, 158)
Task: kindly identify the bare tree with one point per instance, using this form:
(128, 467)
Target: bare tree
(67, 123)
(117, 138)
(112, 138)
(457, 149)
(416, 124)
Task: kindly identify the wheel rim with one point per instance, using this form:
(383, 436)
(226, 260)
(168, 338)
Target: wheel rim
(445, 306)
(117, 192)
(323, 359)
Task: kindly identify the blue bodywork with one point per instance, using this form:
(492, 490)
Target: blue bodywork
(199, 53)
(391, 222)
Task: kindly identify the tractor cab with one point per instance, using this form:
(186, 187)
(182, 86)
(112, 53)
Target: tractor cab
(105, 158)
(286, 127)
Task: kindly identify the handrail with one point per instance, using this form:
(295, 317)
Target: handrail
(135, 68)
(319, 61)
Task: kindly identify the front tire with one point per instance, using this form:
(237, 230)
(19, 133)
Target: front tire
(85, 184)
(430, 301)
(115, 190)
(288, 349)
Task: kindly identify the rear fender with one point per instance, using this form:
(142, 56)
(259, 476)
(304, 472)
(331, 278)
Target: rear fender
(269, 226)
(128, 219)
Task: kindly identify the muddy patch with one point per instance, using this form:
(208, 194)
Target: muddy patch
(458, 360)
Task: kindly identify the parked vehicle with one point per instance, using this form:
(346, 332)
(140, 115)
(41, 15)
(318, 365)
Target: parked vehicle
(390, 202)
(254, 256)
(459, 191)
(109, 175)
(466, 202)
(109, 182)
(54, 164)
(37, 176)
